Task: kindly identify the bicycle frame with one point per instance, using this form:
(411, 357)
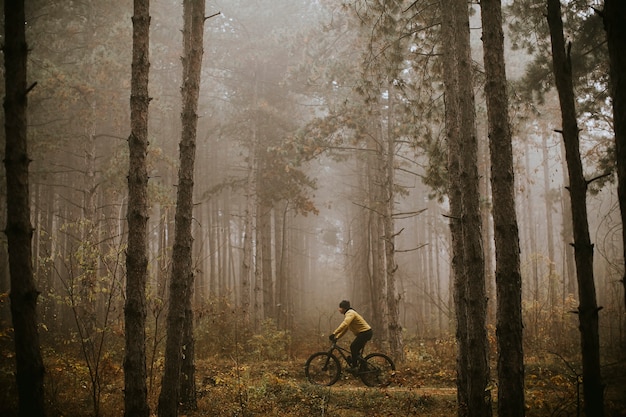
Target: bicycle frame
(344, 353)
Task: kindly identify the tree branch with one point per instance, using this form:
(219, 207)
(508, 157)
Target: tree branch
(606, 174)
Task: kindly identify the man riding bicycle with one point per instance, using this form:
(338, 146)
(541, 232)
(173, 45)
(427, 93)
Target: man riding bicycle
(357, 325)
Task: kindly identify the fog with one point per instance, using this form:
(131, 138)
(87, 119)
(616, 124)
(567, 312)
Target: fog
(296, 99)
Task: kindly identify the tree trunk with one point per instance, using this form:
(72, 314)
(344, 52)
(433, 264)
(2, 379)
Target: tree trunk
(248, 232)
(567, 235)
(29, 364)
(532, 284)
(248, 264)
(393, 300)
(548, 200)
(188, 397)
(135, 389)
(471, 295)
(614, 16)
(488, 234)
(376, 243)
(593, 391)
(216, 249)
(506, 232)
(181, 280)
(282, 259)
(363, 266)
(265, 238)
(451, 91)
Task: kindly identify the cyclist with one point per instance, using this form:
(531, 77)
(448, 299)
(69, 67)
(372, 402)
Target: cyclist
(357, 325)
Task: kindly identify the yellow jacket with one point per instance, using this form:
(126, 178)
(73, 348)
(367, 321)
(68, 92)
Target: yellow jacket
(352, 321)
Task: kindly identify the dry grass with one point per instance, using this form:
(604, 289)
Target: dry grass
(270, 381)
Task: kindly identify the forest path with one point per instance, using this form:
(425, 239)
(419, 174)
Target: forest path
(422, 391)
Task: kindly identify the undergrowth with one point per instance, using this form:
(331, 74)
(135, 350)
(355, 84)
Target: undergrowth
(240, 374)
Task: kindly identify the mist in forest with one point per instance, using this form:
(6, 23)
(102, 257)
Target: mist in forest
(277, 78)
(298, 100)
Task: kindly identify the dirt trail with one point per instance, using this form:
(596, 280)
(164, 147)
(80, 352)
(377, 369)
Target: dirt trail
(434, 391)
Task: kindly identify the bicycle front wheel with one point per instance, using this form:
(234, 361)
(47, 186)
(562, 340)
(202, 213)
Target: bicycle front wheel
(322, 368)
(379, 370)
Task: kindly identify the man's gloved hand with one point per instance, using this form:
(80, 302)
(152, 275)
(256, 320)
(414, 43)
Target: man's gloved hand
(331, 337)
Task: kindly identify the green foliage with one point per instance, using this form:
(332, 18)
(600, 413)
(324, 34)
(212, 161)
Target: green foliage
(589, 56)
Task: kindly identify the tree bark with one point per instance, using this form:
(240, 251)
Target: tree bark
(452, 120)
(614, 16)
(567, 234)
(548, 200)
(248, 232)
(188, 397)
(282, 268)
(376, 243)
(265, 238)
(29, 364)
(468, 259)
(181, 280)
(506, 232)
(393, 299)
(593, 391)
(135, 388)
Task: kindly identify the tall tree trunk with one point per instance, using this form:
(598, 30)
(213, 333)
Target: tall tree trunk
(89, 259)
(488, 234)
(135, 388)
(393, 301)
(459, 279)
(257, 289)
(567, 235)
(614, 16)
(506, 232)
(532, 285)
(282, 268)
(265, 238)
(290, 274)
(361, 263)
(248, 232)
(223, 255)
(29, 364)
(479, 395)
(215, 249)
(376, 243)
(181, 280)
(548, 200)
(593, 391)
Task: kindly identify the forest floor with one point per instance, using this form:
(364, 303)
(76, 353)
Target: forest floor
(420, 389)
(253, 386)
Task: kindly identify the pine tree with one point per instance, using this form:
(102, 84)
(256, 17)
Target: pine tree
(593, 390)
(24, 294)
(181, 281)
(135, 389)
(506, 233)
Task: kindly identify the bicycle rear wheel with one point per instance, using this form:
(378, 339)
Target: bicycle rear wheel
(322, 368)
(377, 370)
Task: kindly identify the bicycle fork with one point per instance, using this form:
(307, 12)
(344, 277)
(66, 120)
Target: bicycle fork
(325, 368)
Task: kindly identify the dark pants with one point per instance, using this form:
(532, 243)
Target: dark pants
(359, 343)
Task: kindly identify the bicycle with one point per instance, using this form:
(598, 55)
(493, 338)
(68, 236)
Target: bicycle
(324, 368)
